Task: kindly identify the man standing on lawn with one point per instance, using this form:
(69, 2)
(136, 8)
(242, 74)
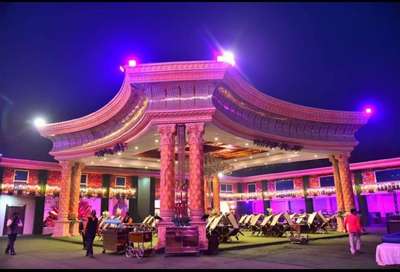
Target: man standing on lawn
(90, 232)
(352, 223)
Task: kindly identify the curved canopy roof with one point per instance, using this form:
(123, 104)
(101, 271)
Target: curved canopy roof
(202, 91)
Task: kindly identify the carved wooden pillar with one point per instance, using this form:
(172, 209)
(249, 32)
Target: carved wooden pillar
(339, 193)
(216, 197)
(196, 179)
(345, 181)
(74, 199)
(206, 194)
(61, 227)
(167, 180)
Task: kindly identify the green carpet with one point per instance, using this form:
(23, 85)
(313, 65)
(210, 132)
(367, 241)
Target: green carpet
(246, 241)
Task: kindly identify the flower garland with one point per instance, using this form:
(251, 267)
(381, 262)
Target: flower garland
(48, 190)
(21, 189)
(93, 192)
(321, 191)
(121, 192)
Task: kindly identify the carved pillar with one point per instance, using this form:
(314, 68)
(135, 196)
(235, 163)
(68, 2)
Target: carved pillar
(339, 193)
(74, 198)
(196, 179)
(181, 194)
(206, 194)
(167, 180)
(62, 224)
(345, 181)
(216, 197)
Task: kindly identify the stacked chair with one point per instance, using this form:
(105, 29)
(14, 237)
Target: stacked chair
(255, 222)
(246, 221)
(277, 226)
(264, 226)
(225, 226)
(242, 219)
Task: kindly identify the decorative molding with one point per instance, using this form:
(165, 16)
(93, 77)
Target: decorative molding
(273, 144)
(29, 164)
(90, 120)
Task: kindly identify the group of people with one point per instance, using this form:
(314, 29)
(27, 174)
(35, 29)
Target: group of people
(93, 226)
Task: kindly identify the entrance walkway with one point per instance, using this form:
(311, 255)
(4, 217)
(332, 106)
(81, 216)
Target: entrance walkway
(34, 252)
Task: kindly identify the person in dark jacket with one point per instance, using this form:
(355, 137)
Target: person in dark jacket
(127, 219)
(13, 224)
(90, 232)
(82, 224)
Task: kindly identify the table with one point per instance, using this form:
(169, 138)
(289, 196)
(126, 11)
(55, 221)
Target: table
(388, 254)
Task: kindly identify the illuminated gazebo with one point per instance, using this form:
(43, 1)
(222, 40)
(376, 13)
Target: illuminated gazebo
(197, 111)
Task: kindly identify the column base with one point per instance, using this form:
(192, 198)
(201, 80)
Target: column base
(161, 234)
(74, 228)
(340, 225)
(61, 229)
(203, 241)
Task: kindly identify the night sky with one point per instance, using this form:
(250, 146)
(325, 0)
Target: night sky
(62, 61)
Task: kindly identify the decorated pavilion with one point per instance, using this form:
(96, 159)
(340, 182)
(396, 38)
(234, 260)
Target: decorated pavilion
(190, 121)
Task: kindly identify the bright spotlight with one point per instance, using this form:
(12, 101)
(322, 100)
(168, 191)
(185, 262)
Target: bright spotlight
(368, 110)
(227, 57)
(132, 63)
(39, 122)
(220, 174)
(121, 68)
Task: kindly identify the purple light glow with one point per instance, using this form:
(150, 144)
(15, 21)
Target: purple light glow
(369, 110)
(121, 68)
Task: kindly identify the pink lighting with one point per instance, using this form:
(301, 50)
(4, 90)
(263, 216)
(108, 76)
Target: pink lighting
(121, 68)
(227, 57)
(368, 110)
(132, 63)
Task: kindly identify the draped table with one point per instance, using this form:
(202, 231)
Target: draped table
(388, 254)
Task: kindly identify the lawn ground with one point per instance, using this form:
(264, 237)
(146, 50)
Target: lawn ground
(45, 252)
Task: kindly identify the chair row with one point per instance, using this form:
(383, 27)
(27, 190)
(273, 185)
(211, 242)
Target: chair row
(278, 224)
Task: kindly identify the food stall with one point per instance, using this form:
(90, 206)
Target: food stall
(115, 237)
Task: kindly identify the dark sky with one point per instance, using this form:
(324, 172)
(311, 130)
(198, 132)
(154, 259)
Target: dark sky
(61, 60)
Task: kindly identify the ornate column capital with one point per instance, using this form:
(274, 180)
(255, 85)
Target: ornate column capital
(342, 157)
(79, 166)
(195, 131)
(332, 158)
(66, 165)
(166, 133)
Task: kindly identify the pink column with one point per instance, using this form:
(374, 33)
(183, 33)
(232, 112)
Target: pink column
(196, 179)
(339, 193)
(167, 180)
(345, 179)
(74, 200)
(62, 224)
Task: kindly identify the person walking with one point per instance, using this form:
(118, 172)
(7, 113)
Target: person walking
(13, 223)
(90, 233)
(82, 227)
(352, 223)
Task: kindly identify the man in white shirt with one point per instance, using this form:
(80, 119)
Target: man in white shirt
(13, 224)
